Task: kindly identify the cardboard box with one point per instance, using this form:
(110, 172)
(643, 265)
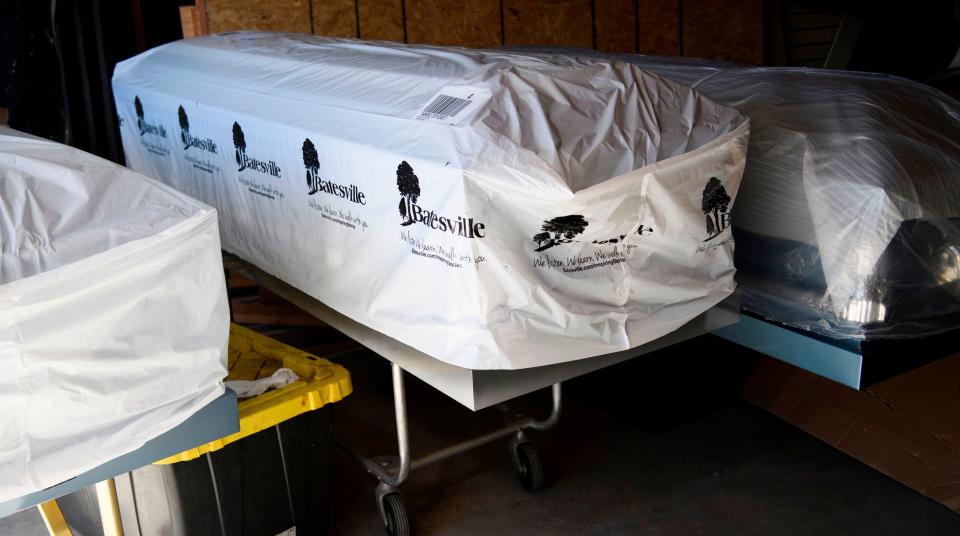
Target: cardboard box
(907, 428)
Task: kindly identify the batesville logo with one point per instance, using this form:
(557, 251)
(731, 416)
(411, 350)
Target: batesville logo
(311, 161)
(189, 141)
(246, 161)
(715, 205)
(411, 212)
(143, 126)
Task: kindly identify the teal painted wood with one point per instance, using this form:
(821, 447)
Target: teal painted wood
(215, 420)
(822, 358)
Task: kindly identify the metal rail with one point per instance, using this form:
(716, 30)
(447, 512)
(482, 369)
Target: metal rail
(390, 478)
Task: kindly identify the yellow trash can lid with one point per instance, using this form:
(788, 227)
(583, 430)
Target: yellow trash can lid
(252, 356)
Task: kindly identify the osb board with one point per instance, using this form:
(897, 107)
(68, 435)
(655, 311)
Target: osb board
(335, 18)
(721, 30)
(275, 15)
(548, 22)
(470, 23)
(381, 20)
(659, 27)
(616, 25)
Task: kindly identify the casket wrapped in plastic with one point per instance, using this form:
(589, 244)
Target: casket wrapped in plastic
(494, 211)
(849, 224)
(848, 219)
(113, 315)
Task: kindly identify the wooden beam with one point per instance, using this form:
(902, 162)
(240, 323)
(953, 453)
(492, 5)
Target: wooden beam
(188, 21)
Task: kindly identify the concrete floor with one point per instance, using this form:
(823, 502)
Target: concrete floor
(660, 445)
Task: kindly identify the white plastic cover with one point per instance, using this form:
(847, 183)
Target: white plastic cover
(848, 218)
(113, 316)
(494, 211)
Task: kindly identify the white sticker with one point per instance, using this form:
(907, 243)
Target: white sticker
(452, 103)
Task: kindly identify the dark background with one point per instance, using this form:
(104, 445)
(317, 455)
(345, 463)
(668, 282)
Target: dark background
(57, 58)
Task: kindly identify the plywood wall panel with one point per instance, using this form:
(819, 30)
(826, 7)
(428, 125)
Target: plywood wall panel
(722, 30)
(276, 15)
(381, 20)
(548, 22)
(470, 23)
(616, 25)
(715, 29)
(659, 27)
(336, 18)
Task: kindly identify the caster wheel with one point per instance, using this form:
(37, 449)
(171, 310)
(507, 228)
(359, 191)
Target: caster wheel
(397, 522)
(526, 462)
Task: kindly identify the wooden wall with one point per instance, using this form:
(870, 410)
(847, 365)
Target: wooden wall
(716, 29)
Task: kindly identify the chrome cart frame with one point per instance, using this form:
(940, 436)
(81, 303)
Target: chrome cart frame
(525, 458)
(475, 389)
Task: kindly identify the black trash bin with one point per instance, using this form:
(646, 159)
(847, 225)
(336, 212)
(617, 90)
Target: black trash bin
(263, 482)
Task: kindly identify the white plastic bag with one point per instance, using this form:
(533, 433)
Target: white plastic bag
(113, 315)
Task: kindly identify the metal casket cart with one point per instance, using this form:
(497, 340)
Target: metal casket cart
(475, 389)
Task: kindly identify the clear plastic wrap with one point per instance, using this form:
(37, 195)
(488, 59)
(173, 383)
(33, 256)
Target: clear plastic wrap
(848, 218)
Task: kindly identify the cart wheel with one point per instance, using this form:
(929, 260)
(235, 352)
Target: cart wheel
(398, 524)
(526, 461)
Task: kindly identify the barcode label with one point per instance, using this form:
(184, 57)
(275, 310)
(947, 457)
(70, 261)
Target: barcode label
(453, 104)
(443, 107)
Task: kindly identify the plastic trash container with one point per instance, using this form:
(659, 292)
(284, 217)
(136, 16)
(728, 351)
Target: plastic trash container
(271, 476)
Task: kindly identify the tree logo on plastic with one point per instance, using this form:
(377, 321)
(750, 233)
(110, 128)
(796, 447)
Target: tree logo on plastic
(566, 229)
(245, 161)
(409, 186)
(190, 141)
(410, 212)
(559, 230)
(311, 161)
(715, 204)
(143, 126)
(240, 143)
(138, 107)
(184, 126)
(316, 183)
